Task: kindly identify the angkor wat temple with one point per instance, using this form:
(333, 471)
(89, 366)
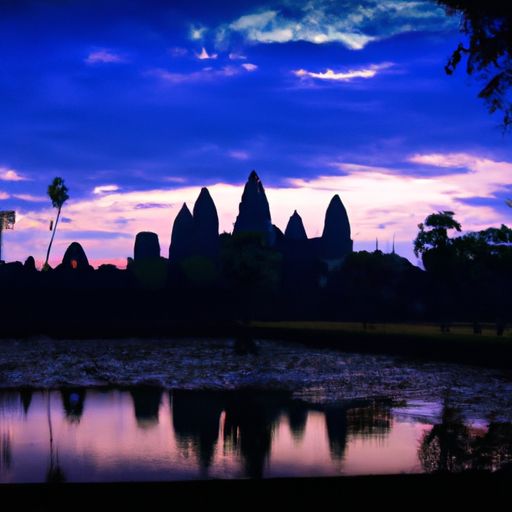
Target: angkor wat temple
(196, 233)
(257, 271)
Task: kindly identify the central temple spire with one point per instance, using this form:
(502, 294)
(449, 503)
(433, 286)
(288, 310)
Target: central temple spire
(254, 211)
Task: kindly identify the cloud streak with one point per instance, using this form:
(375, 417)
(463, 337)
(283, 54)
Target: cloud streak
(352, 24)
(29, 198)
(206, 74)
(103, 56)
(103, 189)
(343, 76)
(11, 175)
(236, 56)
(238, 154)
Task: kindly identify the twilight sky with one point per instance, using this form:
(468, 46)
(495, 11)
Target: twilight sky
(138, 103)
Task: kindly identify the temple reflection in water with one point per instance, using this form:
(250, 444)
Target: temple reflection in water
(147, 433)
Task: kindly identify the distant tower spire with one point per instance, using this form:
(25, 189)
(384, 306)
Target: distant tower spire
(376, 244)
(393, 248)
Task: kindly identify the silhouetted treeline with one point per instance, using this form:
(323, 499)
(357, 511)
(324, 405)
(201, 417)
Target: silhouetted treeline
(252, 282)
(261, 273)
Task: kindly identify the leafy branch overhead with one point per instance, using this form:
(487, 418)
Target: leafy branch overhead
(488, 50)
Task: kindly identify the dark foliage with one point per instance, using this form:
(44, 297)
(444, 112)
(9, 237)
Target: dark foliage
(488, 50)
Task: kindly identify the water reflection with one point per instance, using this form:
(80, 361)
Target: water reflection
(494, 449)
(10, 402)
(364, 419)
(452, 446)
(149, 434)
(26, 399)
(73, 402)
(249, 426)
(297, 418)
(371, 420)
(195, 418)
(54, 473)
(146, 404)
(5, 451)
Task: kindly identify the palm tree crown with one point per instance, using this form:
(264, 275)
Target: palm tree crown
(58, 192)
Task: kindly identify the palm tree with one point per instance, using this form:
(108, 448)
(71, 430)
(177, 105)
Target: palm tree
(58, 193)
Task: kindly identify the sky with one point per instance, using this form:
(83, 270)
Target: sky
(139, 103)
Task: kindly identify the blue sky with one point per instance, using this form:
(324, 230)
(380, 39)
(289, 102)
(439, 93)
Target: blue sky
(138, 103)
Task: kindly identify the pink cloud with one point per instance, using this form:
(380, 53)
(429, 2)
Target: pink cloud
(175, 179)
(31, 198)
(249, 67)
(237, 56)
(204, 55)
(239, 155)
(103, 56)
(11, 175)
(205, 74)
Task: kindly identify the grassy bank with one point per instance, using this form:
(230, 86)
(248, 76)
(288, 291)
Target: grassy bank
(457, 330)
(412, 340)
(156, 320)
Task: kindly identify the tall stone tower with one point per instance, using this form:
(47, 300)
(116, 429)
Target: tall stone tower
(254, 212)
(336, 243)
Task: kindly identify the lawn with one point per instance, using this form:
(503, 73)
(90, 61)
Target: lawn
(457, 330)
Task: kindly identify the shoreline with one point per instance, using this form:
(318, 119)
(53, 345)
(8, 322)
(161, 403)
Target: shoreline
(414, 342)
(477, 350)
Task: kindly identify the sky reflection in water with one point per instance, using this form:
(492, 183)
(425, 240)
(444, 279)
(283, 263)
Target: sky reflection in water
(152, 434)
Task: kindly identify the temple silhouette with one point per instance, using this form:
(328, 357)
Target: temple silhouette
(259, 272)
(209, 277)
(196, 234)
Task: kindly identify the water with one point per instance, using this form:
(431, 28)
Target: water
(151, 434)
(175, 410)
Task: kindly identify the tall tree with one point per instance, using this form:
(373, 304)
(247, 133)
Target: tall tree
(58, 194)
(435, 237)
(436, 250)
(487, 24)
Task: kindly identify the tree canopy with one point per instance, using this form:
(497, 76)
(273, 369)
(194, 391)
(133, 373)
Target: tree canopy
(58, 192)
(436, 235)
(488, 50)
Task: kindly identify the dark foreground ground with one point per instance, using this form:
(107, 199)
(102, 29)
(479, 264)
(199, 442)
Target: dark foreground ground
(402, 492)
(72, 312)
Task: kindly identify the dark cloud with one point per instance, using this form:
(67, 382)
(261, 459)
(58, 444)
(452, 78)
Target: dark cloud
(113, 123)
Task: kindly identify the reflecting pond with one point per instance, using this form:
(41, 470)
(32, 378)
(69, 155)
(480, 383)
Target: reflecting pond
(152, 433)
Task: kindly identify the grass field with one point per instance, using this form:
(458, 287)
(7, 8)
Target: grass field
(457, 330)
(422, 341)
